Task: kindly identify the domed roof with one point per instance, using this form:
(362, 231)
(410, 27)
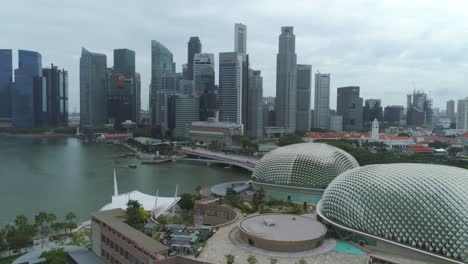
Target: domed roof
(422, 206)
(309, 165)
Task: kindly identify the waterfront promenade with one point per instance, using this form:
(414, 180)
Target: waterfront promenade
(248, 163)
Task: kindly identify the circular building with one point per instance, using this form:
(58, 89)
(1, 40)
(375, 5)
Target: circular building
(282, 232)
(301, 172)
(416, 209)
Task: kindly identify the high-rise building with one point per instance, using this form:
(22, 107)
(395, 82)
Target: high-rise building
(372, 110)
(161, 64)
(322, 101)
(268, 111)
(336, 123)
(285, 105)
(419, 109)
(186, 87)
(122, 96)
(349, 105)
(240, 39)
(451, 110)
(6, 81)
(56, 100)
(230, 87)
(204, 81)
(194, 47)
(393, 114)
(462, 114)
(255, 102)
(27, 90)
(304, 84)
(94, 87)
(137, 96)
(183, 110)
(169, 88)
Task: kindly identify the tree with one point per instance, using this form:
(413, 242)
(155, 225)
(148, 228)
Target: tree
(273, 260)
(186, 201)
(232, 197)
(55, 256)
(301, 261)
(136, 215)
(258, 199)
(438, 145)
(289, 139)
(403, 135)
(51, 217)
(252, 260)
(2, 239)
(229, 259)
(454, 150)
(41, 220)
(69, 217)
(21, 234)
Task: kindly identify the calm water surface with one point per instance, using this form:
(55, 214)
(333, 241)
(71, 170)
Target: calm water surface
(63, 174)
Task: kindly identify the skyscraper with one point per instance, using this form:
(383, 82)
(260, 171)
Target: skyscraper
(322, 101)
(28, 88)
(255, 102)
(304, 83)
(93, 89)
(240, 39)
(286, 72)
(230, 84)
(56, 101)
(372, 110)
(137, 96)
(393, 114)
(349, 105)
(6, 80)
(183, 110)
(419, 109)
(462, 114)
(204, 81)
(122, 95)
(169, 88)
(451, 110)
(161, 63)
(194, 47)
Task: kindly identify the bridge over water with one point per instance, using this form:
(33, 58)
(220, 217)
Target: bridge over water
(235, 160)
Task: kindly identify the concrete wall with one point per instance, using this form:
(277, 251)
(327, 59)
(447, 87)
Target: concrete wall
(281, 246)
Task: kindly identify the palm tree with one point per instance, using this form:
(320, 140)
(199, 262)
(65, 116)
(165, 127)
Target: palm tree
(69, 217)
(51, 219)
(252, 260)
(273, 260)
(40, 219)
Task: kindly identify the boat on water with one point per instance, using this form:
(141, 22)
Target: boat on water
(133, 166)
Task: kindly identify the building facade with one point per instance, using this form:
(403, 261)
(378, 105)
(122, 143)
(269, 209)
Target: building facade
(322, 101)
(372, 110)
(93, 89)
(27, 90)
(169, 88)
(349, 105)
(183, 110)
(419, 110)
(161, 64)
(194, 47)
(240, 39)
(451, 110)
(304, 84)
(336, 123)
(393, 114)
(204, 84)
(286, 76)
(211, 130)
(6, 82)
(230, 87)
(462, 114)
(56, 91)
(255, 102)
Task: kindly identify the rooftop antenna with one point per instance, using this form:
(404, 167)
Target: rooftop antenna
(116, 191)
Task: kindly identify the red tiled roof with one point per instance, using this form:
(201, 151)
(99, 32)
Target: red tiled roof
(116, 135)
(464, 135)
(343, 135)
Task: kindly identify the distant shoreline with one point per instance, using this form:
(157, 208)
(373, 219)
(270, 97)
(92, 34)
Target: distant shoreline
(35, 135)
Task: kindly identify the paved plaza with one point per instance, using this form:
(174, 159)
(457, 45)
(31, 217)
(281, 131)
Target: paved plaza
(224, 242)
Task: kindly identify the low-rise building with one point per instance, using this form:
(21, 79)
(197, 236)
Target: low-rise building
(116, 242)
(211, 130)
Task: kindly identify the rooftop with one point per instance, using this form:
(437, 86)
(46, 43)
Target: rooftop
(283, 227)
(115, 219)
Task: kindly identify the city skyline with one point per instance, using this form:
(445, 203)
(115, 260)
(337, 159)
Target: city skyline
(351, 48)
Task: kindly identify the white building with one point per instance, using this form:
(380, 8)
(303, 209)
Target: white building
(336, 123)
(462, 114)
(211, 130)
(322, 102)
(230, 84)
(240, 39)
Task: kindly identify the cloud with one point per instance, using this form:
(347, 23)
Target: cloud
(387, 47)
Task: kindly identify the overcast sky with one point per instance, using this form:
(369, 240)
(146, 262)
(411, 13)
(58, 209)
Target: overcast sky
(389, 48)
